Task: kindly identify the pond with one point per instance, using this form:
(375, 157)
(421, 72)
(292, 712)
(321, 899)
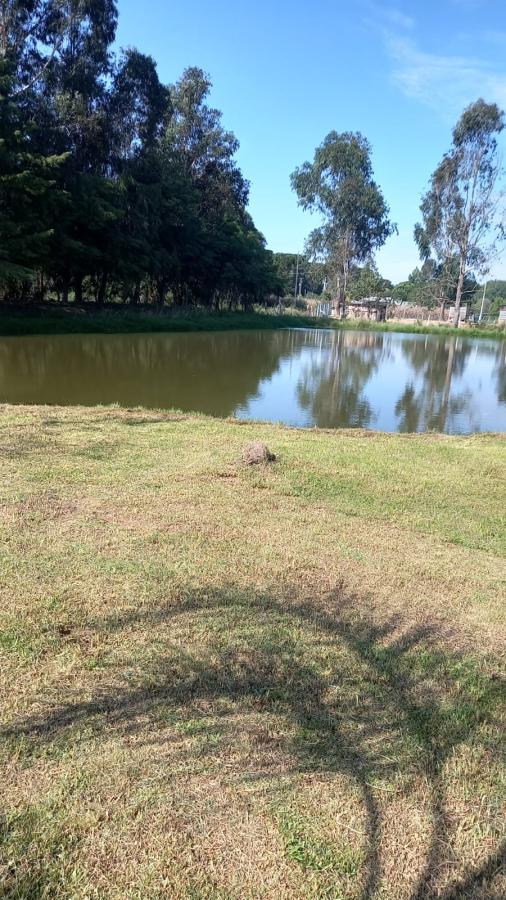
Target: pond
(304, 377)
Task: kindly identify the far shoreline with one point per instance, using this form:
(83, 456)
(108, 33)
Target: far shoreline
(19, 321)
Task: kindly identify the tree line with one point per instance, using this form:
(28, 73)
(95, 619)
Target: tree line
(115, 186)
(112, 184)
(461, 213)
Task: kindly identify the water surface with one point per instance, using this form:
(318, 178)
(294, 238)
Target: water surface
(304, 377)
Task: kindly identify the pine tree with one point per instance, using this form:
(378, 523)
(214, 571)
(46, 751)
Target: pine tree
(28, 199)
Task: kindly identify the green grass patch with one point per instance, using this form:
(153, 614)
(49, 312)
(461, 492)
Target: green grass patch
(230, 681)
(125, 321)
(14, 640)
(312, 853)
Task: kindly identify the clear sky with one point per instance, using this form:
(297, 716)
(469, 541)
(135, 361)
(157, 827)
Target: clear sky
(286, 72)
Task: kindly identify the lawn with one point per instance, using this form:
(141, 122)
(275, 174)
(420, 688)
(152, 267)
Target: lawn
(221, 681)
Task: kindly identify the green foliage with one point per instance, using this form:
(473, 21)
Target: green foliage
(27, 192)
(367, 282)
(458, 210)
(495, 297)
(291, 268)
(125, 188)
(435, 284)
(339, 185)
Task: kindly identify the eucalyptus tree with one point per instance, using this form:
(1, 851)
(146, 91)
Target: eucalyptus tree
(434, 284)
(230, 263)
(107, 187)
(24, 41)
(75, 95)
(29, 198)
(461, 206)
(202, 147)
(138, 108)
(339, 185)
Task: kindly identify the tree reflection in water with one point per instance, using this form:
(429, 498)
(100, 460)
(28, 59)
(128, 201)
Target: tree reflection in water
(328, 378)
(500, 372)
(427, 401)
(332, 386)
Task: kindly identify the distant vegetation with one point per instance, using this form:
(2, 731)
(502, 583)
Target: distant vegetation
(118, 189)
(457, 237)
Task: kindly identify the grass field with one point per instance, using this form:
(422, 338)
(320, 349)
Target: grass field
(126, 321)
(222, 681)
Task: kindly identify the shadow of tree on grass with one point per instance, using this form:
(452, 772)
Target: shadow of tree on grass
(374, 702)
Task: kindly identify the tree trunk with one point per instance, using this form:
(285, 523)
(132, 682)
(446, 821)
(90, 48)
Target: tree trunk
(341, 295)
(78, 289)
(458, 296)
(102, 287)
(161, 293)
(136, 294)
(65, 289)
(342, 286)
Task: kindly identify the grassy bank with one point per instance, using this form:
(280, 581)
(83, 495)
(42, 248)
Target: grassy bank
(125, 322)
(406, 328)
(232, 682)
(75, 321)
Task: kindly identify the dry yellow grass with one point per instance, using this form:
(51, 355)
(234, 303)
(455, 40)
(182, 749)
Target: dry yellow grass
(283, 681)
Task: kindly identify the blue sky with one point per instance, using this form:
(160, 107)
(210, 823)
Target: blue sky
(286, 73)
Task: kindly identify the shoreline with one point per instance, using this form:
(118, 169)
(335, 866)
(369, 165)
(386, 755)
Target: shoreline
(81, 321)
(172, 414)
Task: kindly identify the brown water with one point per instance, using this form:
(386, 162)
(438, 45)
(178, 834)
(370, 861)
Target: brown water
(385, 381)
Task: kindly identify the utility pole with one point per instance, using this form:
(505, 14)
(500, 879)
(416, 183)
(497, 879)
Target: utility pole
(483, 302)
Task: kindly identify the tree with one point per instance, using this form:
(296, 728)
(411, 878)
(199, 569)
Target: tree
(367, 282)
(24, 41)
(495, 297)
(229, 263)
(292, 268)
(107, 188)
(201, 146)
(29, 199)
(139, 105)
(434, 284)
(459, 210)
(69, 98)
(339, 185)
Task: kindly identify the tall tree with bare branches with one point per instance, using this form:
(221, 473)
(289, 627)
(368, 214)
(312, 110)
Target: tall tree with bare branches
(461, 209)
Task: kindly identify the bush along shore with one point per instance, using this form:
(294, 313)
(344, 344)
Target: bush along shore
(82, 320)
